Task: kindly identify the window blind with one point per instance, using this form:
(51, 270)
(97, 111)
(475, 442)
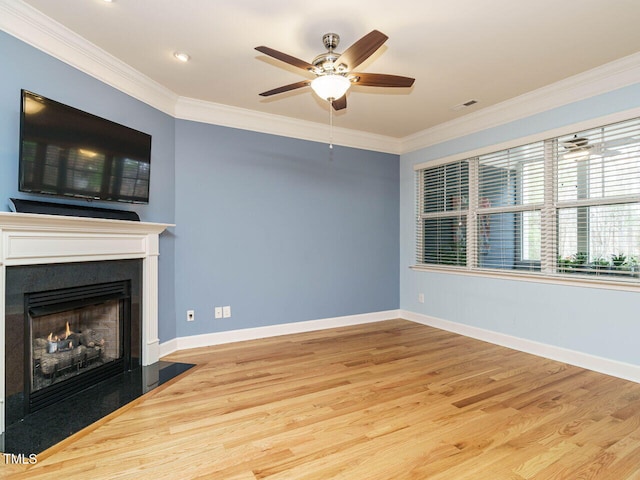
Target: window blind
(443, 203)
(563, 206)
(510, 201)
(598, 200)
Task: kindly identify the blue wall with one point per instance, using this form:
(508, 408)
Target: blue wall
(594, 321)
(28, 68)
(280, 231)
(269, 225)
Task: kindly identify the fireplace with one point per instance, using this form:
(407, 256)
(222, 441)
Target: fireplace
(68, 326)
(40, 253)
(76, 337)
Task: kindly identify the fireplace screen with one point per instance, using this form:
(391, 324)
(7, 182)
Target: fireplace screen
(76, 337)
(75, 341)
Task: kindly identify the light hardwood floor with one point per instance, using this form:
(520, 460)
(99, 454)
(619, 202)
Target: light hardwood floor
(384, 401)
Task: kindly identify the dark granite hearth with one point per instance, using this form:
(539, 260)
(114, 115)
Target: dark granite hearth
(46, 427)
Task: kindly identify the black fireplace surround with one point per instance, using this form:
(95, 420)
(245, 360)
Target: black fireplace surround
(34, 291)
(71, 397)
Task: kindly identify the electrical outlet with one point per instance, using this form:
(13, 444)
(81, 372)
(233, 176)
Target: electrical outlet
(191, 315)
(421, 297)
(218, 312)
(226, 311)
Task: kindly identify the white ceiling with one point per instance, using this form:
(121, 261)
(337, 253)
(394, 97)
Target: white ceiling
(457, 50)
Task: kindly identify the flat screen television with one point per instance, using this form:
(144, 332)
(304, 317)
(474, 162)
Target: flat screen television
(66, 152)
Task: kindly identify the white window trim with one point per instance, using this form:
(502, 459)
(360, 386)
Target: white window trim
(578, 281)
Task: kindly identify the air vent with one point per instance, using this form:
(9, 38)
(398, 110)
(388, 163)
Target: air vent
(466, 104)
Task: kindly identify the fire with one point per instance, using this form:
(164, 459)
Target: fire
(55, 338)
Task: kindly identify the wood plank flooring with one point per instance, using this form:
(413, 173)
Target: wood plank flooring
(389, 400)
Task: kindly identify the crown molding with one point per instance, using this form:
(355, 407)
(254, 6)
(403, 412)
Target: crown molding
(36, 29)
(225, 115)
(603, 79)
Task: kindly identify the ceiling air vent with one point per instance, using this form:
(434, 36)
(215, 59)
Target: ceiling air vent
(464, 105)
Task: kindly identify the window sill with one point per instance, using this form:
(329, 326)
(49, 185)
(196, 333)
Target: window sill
(578, 281)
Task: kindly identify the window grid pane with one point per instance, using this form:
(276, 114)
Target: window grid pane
(445, 241)
(442, 223)
(512, 177)
(446, 188)
(505, 249)
(601, 239)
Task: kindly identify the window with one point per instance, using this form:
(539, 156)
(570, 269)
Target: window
(567, 205)
(444, 203)
(510, 199)
(598, 200)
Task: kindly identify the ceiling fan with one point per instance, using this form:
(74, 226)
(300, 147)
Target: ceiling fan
(334, 72)
(576, 143)
(576, 148)
(581, 148)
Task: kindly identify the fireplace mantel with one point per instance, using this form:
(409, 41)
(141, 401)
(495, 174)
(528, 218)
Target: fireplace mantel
(30, 239)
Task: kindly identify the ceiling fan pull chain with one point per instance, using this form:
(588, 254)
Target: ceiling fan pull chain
(330, 126)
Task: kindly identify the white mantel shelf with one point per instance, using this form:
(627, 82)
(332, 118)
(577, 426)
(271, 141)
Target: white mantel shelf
(31, 221)
(31, 239)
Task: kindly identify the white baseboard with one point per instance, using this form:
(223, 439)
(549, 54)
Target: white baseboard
(607, 366)
(219, 338)
(615, 368)
(168, 347)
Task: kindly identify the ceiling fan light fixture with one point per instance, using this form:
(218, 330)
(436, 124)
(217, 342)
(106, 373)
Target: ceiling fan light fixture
(330, 87)
(335, 72)
(577, 148)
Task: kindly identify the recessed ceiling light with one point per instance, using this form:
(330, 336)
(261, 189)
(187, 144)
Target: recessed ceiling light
(183, 57)
(108, 1)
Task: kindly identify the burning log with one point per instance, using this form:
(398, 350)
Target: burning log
(67, 349)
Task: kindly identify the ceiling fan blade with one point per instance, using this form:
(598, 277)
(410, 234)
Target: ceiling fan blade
(286, 88)
(381, 80)
(362, 49)
(283, 57)
(340, 103)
